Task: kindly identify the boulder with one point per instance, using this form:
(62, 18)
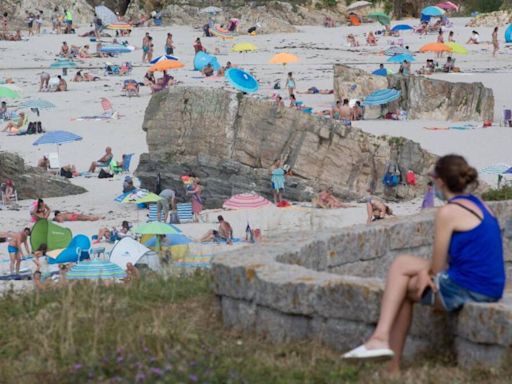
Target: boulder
(32, 183)
(493, 19)
(354, 83)
(230, 141)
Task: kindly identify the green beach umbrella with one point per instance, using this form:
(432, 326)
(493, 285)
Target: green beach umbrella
(381, 17)
(457, 48)
(155, 228)
(8, 93)
(149, 198)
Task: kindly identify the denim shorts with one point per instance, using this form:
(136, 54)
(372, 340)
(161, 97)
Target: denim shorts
(452, 295)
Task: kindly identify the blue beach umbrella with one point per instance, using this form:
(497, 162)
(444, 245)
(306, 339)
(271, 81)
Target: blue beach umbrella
(57, 137)
(382, 96)
(380, 72)
(508, 171)
(401, 58)
(242, 80)
(63, 64)
(95, 270)
(114, 49)
(202, 59)
(163, 57)
(171, 239)
(432, 11)
(37, 104)
(402, 27)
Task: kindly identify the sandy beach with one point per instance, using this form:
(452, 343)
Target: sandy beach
(318, 48)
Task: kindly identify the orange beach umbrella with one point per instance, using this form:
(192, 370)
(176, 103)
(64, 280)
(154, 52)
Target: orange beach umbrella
(165, 65)
(284, 58)
(435, 47)
(120, 26)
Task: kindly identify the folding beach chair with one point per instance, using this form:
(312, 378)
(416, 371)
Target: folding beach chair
(184, 211)
(106, 104)
(53, 159)
(125, 168)
(507, 118)
(153, 213)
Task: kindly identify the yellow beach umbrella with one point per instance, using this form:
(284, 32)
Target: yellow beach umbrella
(457, 48)
(244, 47)
(284, 58)
(435, 47)
(165, 65)
(149, 198)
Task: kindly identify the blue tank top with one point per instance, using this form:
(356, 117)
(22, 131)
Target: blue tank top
(476, 256)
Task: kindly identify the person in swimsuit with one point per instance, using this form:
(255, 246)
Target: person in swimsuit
(145, 47)
(467, 264)
(278, 180)
(103, 161)
(224, 233)
(14, 127)
(73, 216)
(40, 211)
(5, 24)
(346, 113)
(495, 43)
(326, 199)
(290, 84)
(169, 45)
(64, 49)
(197, 203)
(198, 46)
(14, 248)
(377, 210)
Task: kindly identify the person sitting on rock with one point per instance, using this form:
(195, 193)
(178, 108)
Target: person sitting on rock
(224, 233)
(326, 199)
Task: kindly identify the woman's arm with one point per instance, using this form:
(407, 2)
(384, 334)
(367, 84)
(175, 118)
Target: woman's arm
(442, 234)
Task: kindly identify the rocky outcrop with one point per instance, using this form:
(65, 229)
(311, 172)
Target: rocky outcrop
(82, 11)
(31, 182)
(492, 19)
(422, 97)
(230, 142)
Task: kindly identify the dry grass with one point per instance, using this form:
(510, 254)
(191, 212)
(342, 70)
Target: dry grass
(168, 331)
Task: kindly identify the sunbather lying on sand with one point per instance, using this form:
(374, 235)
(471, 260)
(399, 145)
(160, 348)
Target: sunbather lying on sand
(13, 127)
(326, 199)
(72, 216)
(315, 90)
(224, 233)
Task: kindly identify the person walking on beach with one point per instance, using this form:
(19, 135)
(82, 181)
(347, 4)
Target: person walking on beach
(495, 43)
(467, 264)
(428, 199)
(14, 249)
(145, 46)
(440, 40)
(290, 84)
(169, 45)
(197, 203)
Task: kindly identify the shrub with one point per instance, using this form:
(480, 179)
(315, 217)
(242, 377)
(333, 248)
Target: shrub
(503, 193)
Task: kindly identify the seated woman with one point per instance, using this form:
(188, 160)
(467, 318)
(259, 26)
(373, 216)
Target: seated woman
(15, 127)
(64, 49)
(371, 39)
(449, 65)
(326, 199)
(208, 70)
(377, 210)
(474, 39)
(83, 53)
(428, 69)
(72, 216)
(223, 70)
(467, 264)
(14, 37)
(40, 210)
(352, 41)
(114, 234)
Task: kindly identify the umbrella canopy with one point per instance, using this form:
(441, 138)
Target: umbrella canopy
(284, 58)
(212, 10)
(57, 137)
(435, 47)
(105, 14)
(115, 49)
(132, 196)
(63, 64)
(396, 50)
(382, 96)
(37, 103)
(148, 198)
(358, 5)
(8, 93)
(457, 48)
(95, 270)
(241, 80)
(448, 6)
(401, 58)
(246, 201)
(120, 26)
(175, 239)
(165, 65)
(508, 171)
(496, 169)
(162, 58)
(432, 11)
(155, 228)
(380, 72)
(381, 17)
(244, 47)
(402, 27)
(202, 59)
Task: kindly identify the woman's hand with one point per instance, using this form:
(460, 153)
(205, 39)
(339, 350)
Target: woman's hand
(424, 282)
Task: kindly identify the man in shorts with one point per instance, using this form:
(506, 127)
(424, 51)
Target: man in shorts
(14, 249)
(168, 201)
(224, 233)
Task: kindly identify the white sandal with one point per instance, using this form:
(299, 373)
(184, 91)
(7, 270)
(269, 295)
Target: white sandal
(363, 353)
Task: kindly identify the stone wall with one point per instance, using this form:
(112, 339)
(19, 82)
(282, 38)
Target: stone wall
(327, 287)
(230, 142)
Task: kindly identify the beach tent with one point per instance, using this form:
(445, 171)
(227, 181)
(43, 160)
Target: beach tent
(202, 59)
(381, 97)
(128, 250)
(241, 80)
(51, 234)
(77, 250)
(177, 245)
(508, 34)
(355, 20)
(106, 15)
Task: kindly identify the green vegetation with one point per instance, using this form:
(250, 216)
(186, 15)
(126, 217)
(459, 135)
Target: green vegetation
(503, 193)
(167, 331)
(482, 5)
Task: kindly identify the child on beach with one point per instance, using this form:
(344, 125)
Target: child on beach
(290, 84)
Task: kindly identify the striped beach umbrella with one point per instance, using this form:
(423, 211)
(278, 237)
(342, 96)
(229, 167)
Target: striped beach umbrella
(95, 270)
(163, 57)
(246, 201)
(57, 137)
(382, 96)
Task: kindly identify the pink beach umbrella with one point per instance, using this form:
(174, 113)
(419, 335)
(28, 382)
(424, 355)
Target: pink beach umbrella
(246, 201)
(448, 6)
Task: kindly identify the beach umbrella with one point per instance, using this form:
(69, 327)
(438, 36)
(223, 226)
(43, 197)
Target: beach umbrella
(432, 11)
(396, 50)
(155, 228)
(150, 197)
(401, 58)
(402, 27)
(508, 34)
(457, 48)
(244, 47)
(358, 5)
(8, 93)
(380, 72)
(508, 171)
(172, 239)
(163, 57)
(284, 58)
(435, 47)
(495, 169)
(212, 10)
(115, 49)
(382, 96)
(132, 196)
(241, 80)
(246, 201)
(165, 65)
(120, 26)
(381, 17)
(95, 270)
(57, 138)
(63, 64)
(105, 14)
(448, 6)
(37, 104)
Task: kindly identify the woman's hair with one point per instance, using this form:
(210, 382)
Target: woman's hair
(456, 173)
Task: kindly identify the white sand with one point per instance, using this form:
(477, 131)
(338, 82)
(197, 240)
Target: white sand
(318, 48)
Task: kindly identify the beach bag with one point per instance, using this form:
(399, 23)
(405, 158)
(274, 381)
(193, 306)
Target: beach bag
(66, 174)
(39, 127)
(173, 218)
(410, 178)
(31, 128)
(392, 176)
(104, 174)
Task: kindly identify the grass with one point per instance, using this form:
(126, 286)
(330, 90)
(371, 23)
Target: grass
(502, 193)
(167, 331)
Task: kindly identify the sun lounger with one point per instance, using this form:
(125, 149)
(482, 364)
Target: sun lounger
(53, 159)
(184, 211)
(153, 213)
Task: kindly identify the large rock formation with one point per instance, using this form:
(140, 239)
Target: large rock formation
(230, 142)
(31, 182)
(82, 11)
(493, 19)
(422, 97)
